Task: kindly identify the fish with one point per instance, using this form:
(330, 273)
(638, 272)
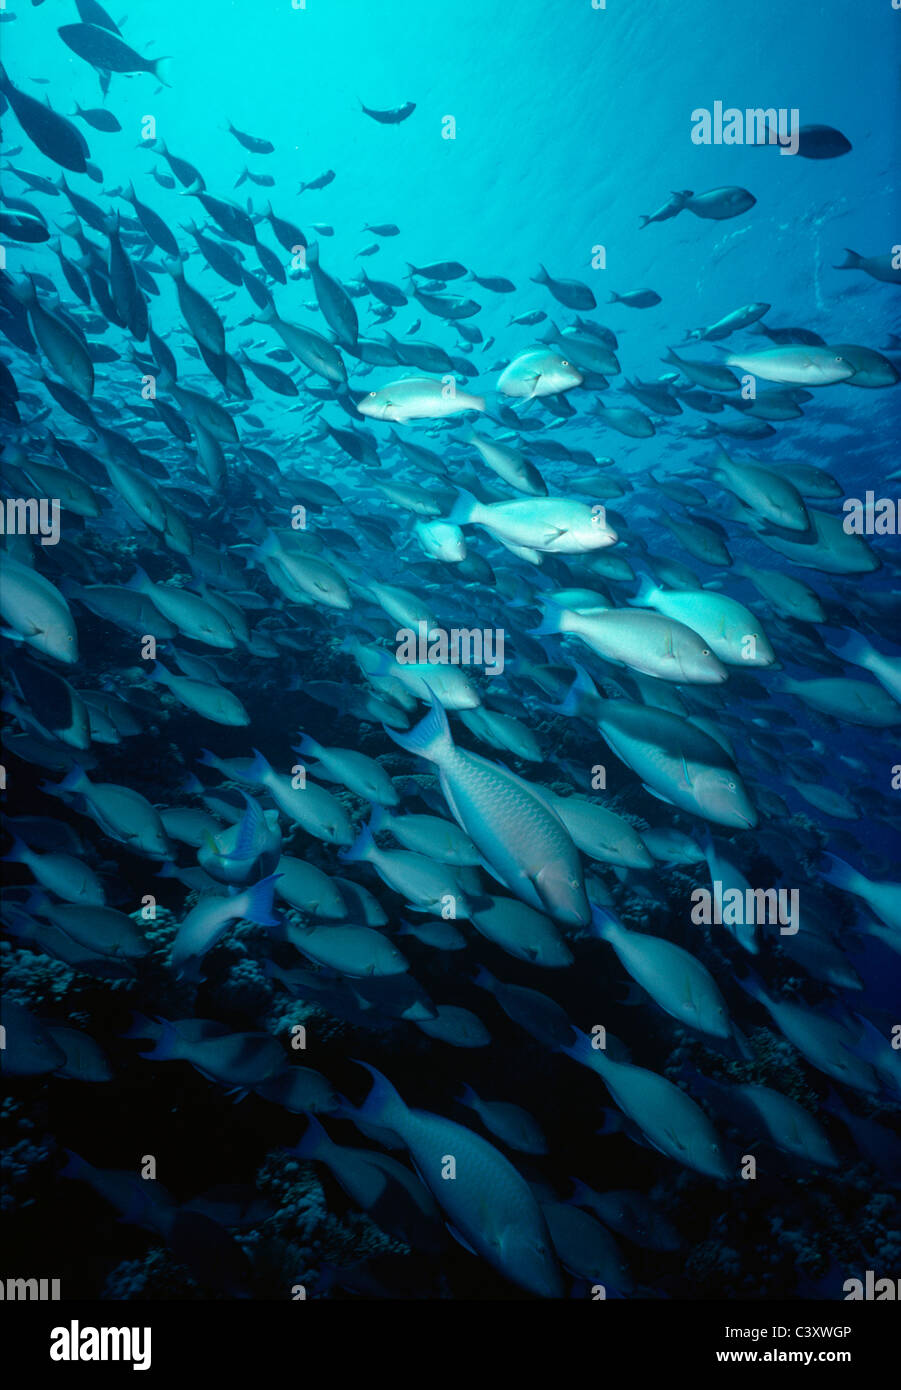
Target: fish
(671, 208)
(538, 372)
(54, 135)
(571, 293)
(553, 670)
(525, 842)
(822, 142)
(35, 608)
(731, 631)
(333, 300)
(105, 50)
(254, 143)
(553, 525)
(649, 642)
(795, 366)
(417, 398)
(491, 1208)
(636, 299)
(882, 267)
(211, 916)
(720, 204)
(668, 1118)
(394, 116)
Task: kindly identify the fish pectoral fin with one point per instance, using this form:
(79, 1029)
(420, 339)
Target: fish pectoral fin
(461, 1240)
(674, 1139)
(658, 795)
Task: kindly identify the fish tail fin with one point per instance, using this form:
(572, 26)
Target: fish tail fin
(853, 647)
(242, 177)
(383, 1102)
(464, 507)
(483, 978)
(431, 738)
(646, 591)
(612, 1122)
(851, 262)
(312, 254)
(551, 621)
(74, 780)
(163, 70)
(258, 908)
(579, 1048)
(313, 1142)
(15, 851)
(580, 1192)
(582, 685)
(542, 277)
(362, 847)
(164, 1047)
(378, 818)
(308, 747)
(839, 873)
(614, 297)
(642, 221)
(140, 1027)
(752, 984)
(258, 769)
(76, 1167)
(140, 580)
(603, 921)
(467, 1096)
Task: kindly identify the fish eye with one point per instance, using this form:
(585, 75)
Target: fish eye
(730, 786)
(705, 652)
(372, 394)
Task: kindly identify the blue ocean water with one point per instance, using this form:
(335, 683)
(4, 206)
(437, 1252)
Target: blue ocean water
(569, 124)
